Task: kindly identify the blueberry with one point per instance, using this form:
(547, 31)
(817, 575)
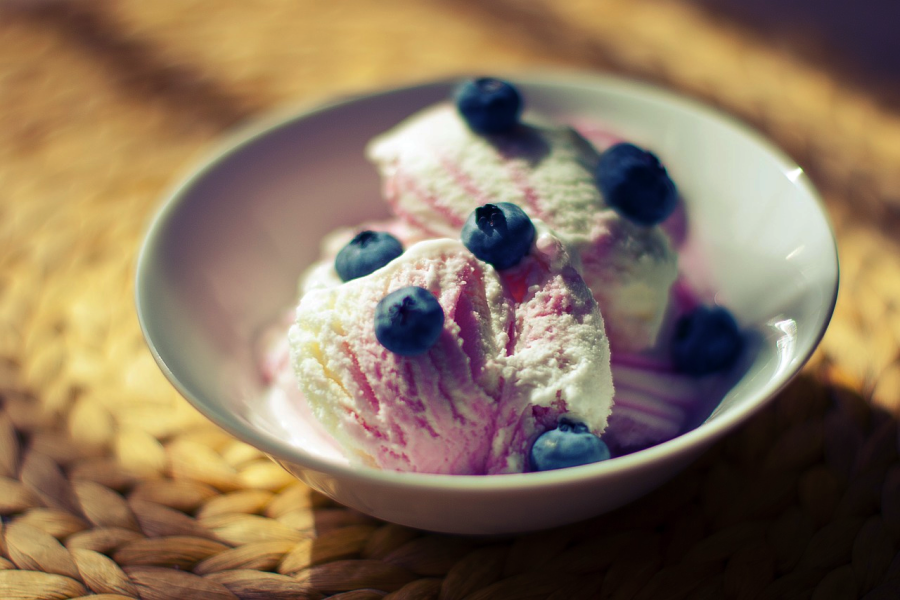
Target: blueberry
(499, 234)
(569, 445)
(408, 321)
(706, 340)
(489, 105)
(636, 185)
(367, 252)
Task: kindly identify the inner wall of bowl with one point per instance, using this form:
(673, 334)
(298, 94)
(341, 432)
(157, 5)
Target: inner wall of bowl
(231, 249)
(248, 227)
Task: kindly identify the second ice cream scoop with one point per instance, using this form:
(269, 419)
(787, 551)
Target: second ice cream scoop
(436, 171)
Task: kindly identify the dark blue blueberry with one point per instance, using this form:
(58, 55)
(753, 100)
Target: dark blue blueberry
(408, 321)
(706, 340)
(569, 445)
(489, 105)
(367, 252)
(499, 234)
(636, 185)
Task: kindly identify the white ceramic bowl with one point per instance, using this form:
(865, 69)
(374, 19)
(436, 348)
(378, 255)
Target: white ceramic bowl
(222, 259)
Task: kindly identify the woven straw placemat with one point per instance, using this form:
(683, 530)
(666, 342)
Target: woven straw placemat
(111, 486)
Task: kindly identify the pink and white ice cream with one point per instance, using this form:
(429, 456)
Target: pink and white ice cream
(436, 170)
(519, 348)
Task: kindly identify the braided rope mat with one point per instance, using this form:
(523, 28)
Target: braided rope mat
(112, 487)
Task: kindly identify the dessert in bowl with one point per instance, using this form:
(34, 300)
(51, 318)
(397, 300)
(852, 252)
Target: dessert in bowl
(223, 257)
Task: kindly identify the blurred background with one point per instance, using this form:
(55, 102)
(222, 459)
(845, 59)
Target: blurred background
(856, 40)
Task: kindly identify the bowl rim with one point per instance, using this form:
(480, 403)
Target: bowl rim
(683, 445)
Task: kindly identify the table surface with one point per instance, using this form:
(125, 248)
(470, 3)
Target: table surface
(111, 484)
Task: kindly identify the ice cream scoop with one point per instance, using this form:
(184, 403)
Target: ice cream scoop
(518, 350)
(436, 170)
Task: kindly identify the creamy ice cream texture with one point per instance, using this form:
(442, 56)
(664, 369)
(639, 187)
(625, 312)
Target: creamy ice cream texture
(519, 349)
(436, 171)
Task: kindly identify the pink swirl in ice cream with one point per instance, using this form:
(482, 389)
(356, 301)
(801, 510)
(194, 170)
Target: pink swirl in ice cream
(436, 170)
(518, 350)
(522, 350)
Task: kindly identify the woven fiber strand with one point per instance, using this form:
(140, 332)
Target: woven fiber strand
(111, 486)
